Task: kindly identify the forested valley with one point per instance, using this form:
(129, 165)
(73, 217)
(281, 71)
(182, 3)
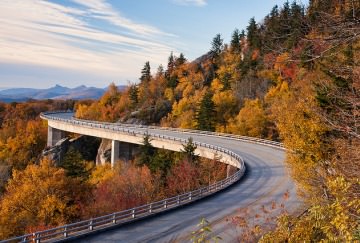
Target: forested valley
(38, 193)
(292, 77)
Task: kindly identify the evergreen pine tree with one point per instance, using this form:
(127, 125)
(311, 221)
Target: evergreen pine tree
(253, 36)
(180, 60)
(147, 152)
(216, 45)
(74, 164)
(205, 116)
(297, 24)
(161, 162)
(170, 66)
(272, 30)
(171, 79)
(242, 34)
(189, 150)
(160, 71)
(215, 51)
(146, 73)
(134, 94)
(235, 42)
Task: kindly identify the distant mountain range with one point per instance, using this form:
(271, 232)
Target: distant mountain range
(57, 92)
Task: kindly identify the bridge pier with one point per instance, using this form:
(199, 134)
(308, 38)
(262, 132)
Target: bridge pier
(114, 152)
(122, 151)
(54, 136)
(228, 170)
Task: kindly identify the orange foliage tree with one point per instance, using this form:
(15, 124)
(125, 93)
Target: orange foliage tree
(129, 187)
(25, 146)
(40, 197)
(183, 177)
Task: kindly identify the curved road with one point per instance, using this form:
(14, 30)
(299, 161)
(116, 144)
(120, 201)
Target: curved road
(266, 184)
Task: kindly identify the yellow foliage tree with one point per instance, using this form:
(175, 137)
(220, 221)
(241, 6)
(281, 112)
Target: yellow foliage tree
(24, 147)
(183, 112)
(225, 104)
(301, 130)
(101, 173)
(330, 222)
(41, 195)
(251, 120)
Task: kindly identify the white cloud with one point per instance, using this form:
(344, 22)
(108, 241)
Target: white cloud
(199, 3)
(43, 33)
(102, 10)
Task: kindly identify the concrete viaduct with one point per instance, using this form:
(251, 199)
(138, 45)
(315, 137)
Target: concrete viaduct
(122, 136)
(265, 183)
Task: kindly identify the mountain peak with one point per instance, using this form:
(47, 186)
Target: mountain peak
(55, 92)
(81, 87)
(58, 86)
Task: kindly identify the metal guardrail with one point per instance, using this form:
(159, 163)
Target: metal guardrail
(117, 218)
(182, 130)
(80, 228)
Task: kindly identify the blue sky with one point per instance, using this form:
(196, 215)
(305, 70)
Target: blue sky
(95, 42)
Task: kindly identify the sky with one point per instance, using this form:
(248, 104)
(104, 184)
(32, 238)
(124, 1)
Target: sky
(96, 42)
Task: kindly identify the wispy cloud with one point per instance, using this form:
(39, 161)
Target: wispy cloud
(100, 9)
(44, 33)
(199, 3)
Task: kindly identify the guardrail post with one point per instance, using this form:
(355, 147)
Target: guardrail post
(114, 218)
(133, 213)
(150, 208)
(190, 196)
(36, 237)
(91, 227)
(65, 232)
(178, 199)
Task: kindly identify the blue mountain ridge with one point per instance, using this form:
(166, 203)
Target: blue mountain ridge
(55, 92)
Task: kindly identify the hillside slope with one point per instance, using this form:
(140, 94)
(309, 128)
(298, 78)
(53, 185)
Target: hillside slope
(293, 77)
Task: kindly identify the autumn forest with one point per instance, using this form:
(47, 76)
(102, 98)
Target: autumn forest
(293, 77)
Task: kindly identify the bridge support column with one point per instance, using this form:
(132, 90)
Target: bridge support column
(114, 152)
(121, 151)
(228, 169)
(54, 136)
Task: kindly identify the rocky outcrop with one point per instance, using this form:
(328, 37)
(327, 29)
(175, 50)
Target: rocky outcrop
(133, 121)
(57, 152)
(86, 145)
(104, 152)
(148, 115)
